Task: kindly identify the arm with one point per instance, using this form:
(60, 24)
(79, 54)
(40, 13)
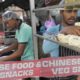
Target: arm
(23, 38)
(16, 54)
(73, 30)
(11, 47)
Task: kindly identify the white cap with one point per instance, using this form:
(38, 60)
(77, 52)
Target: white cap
(9, 15)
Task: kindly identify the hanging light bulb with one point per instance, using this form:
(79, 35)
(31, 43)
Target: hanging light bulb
(3, 0)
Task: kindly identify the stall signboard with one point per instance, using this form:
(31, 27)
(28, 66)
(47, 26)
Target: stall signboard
(46, 67)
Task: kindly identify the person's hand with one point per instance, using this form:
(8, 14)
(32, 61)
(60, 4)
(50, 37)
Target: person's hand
(74, 30)
(3, 58)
